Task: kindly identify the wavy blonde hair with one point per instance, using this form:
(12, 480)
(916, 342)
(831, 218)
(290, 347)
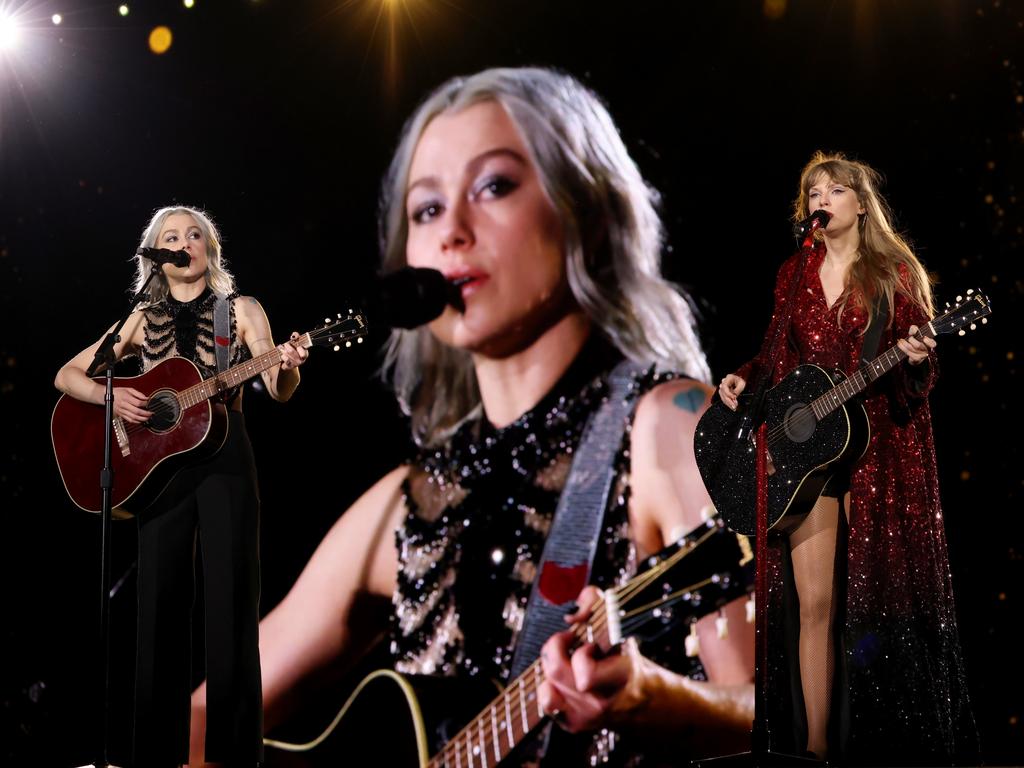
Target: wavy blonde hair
(218, 277)
(613, 239)
(882, 250)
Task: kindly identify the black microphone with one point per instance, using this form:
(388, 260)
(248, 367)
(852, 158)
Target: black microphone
(817, 220)
(410, 297)
(165, 256)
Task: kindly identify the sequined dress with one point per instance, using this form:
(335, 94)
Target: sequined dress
(907, 695)
(480, 507)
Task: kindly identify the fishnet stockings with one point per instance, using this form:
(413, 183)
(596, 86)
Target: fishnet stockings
(813, 548)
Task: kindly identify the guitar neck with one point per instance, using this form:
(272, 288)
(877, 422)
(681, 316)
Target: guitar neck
(236, 375)
(494, 733)
(856, 383)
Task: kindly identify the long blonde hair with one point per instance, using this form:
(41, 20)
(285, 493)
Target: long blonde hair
(613, 239)
(217, 275)
(882, 250)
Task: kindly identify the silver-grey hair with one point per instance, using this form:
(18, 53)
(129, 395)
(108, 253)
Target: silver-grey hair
(613, 239)
(217, 275)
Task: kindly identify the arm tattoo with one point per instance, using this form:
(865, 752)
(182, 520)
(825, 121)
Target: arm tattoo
(691, 400)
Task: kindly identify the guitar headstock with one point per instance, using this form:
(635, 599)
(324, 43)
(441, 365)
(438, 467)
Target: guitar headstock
(695, 576)
(341, 331)
(969, 310)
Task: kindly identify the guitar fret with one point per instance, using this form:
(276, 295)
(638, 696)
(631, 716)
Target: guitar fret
(536, 670)
(508, 722)
(483, 747)
(522, 706)
(494, 732)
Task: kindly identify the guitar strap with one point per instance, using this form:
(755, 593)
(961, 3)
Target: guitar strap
(222, 332)
(568, 554)
(873, 334)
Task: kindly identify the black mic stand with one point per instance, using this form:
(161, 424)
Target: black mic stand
(105, 357)
(760, 754)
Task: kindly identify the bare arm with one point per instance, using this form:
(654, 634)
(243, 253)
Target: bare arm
(254, 331)
(627, 691)
(129, 403)
(337, 608)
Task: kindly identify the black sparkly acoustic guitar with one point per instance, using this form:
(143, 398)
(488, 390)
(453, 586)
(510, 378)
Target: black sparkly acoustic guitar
(447, 722)
(813, 429)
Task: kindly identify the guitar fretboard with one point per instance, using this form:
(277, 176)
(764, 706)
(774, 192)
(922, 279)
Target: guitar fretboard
(235, 376)
(848, 388)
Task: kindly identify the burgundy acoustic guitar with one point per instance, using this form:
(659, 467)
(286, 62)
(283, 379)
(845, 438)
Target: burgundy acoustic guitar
(188, 424)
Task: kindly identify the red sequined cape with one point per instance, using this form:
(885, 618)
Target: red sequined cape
(900, 669)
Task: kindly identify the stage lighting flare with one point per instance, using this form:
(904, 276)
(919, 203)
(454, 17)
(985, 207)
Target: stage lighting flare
(10, 32)
(123, 9)
(56, 19)
(160, 39)
(189, 3)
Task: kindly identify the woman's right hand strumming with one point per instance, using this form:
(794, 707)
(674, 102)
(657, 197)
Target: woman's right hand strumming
(130, 405)
(730, 389)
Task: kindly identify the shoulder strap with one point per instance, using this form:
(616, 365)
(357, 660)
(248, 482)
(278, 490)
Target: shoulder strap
(569, 549)
(873, 334)
(222, 332)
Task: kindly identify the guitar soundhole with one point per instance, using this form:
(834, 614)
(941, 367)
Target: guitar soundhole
(166, 411)
(799, 423)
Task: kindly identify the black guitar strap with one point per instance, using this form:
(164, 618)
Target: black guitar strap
(222, 332)
(568, 555)
(873, 334)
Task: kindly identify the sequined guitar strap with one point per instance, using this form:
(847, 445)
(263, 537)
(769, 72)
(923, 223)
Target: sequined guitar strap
(222, 332)
(569, 549)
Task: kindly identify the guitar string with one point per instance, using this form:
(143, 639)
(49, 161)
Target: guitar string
(528, 682)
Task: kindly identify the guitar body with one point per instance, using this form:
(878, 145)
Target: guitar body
(421, 714)
(804, 451)
(144, 457)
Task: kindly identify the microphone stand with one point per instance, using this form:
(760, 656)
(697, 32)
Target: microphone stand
(105, 357)
(760, 754)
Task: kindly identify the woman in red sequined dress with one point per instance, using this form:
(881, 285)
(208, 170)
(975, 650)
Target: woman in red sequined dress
(880, 671)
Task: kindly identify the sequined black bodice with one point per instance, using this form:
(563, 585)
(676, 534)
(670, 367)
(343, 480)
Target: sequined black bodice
(479, 510)
(185, 329)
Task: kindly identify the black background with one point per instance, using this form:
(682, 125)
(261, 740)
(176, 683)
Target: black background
(279, 118)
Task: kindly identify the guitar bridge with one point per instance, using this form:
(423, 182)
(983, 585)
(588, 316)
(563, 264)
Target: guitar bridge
(122, 436)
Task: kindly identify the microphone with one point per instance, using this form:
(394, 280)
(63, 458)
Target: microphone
(410, 297)
(817, 220)
(165, 256)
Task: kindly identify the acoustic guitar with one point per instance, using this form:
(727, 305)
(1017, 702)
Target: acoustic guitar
(446, 722)
(188, 424)
(815, 427)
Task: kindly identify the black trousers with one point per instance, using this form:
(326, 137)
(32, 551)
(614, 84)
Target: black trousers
(218, 500)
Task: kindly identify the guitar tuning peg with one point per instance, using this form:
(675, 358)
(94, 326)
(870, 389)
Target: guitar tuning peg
(947, 305)
(327, 319)
(722, 625)
(348, 343)
(973, 326)
(339, 315)
(961, 332)
(337, 347)
(970, 291)
(959, 299)
(693, 642)
(359, 340)
(984, 321)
